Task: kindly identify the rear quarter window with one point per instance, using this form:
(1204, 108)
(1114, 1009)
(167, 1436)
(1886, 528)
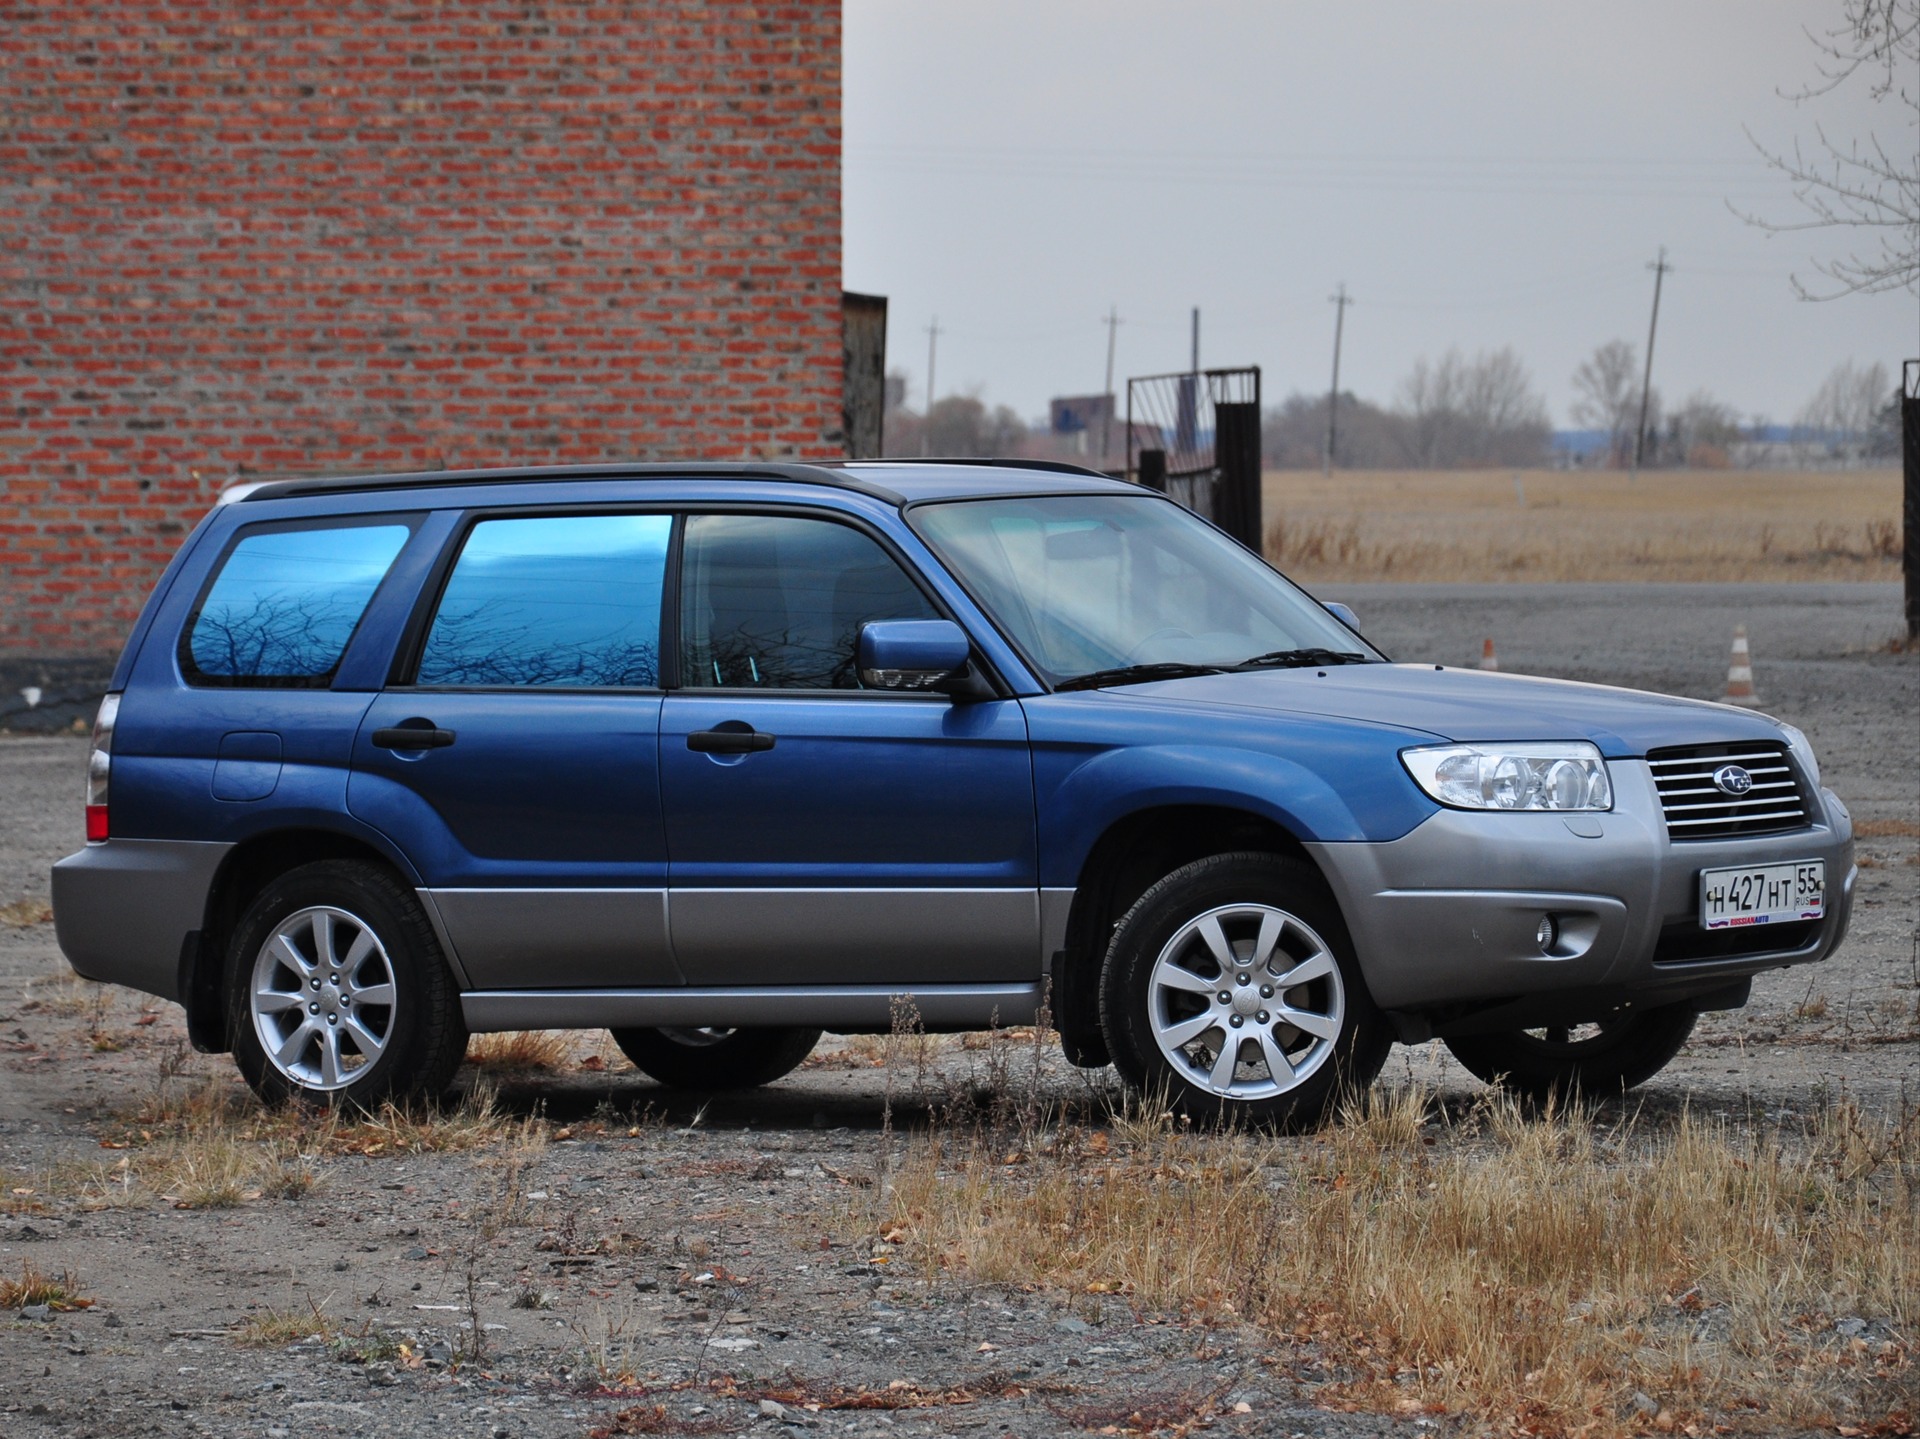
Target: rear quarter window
(284, 602)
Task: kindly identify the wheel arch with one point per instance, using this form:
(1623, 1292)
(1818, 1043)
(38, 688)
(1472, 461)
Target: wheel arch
(1131, 855)
(248, 868)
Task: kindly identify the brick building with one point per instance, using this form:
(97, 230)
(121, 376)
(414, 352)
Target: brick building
(244, 238)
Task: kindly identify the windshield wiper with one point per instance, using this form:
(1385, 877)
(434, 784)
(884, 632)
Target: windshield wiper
(1138, 675)
(1301, 659)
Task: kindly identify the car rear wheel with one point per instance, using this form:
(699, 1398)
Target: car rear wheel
(714, 1058)
(1231, 987)
(1594, 1060)
(338, 990)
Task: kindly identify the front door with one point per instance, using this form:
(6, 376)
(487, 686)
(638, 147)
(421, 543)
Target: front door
(819, 832)
(518, 766)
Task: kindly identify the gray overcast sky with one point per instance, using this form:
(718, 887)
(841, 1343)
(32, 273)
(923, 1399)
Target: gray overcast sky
(1479, 173)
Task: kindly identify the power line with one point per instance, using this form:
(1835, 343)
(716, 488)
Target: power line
(1660, 268)
(1403, 173)
(1339, 302)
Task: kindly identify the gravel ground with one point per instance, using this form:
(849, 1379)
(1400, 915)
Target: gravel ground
(679, 1241)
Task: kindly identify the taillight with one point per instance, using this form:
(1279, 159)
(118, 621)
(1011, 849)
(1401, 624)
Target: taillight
(99, 767)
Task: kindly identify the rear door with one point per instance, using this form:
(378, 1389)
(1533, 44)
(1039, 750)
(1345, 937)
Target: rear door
(517, 764)
(863, 837)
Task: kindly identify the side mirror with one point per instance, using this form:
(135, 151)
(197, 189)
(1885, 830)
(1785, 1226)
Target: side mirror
(910, 654)
(1341, 613)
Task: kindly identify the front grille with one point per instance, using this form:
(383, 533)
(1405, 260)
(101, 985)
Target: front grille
(1696, 808)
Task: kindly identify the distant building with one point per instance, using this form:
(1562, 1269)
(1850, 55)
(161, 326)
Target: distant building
(1079, 414)
(1081, 424)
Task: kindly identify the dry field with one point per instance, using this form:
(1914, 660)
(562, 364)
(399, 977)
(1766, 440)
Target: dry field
(1483, 525)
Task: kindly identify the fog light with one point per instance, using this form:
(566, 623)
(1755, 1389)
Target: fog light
(1546, 934)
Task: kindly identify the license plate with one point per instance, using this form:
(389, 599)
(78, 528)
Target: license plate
(1763, 894)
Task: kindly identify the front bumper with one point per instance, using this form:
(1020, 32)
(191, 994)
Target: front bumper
(1447, 915)
(123, 909)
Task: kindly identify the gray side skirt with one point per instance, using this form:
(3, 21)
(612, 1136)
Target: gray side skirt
(850, 1008)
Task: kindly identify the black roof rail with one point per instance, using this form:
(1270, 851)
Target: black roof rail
(828, 475)
(1058, 467)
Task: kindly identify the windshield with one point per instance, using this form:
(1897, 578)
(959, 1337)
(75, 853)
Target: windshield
(1090, 583)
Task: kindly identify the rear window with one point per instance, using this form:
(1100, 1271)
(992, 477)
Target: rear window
(285, 601)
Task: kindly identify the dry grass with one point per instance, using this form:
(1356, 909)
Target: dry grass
(23, 1194)
(521, 1049)
(206, 1112)
(207, 1144)
(277, 1328)
(33, 1287)
(21, 913)
(1483, 525)
(1532, 1272)
(1886, 829)
(66, 995)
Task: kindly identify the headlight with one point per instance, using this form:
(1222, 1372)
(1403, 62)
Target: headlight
(1512, 776)
(1802, 751)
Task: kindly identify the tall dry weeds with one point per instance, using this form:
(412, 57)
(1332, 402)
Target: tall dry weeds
(1548, 1271)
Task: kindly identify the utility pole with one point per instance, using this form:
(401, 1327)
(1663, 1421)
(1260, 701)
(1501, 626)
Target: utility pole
(926, 430)
(1910, 494)
(1186, 412)
(1339, 302)
(1660, 269)
(1113, 323)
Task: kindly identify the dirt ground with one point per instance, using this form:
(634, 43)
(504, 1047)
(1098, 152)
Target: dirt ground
(667, 1264)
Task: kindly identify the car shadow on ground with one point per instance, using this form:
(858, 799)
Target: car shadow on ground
(793, 1105)
(862, 1102)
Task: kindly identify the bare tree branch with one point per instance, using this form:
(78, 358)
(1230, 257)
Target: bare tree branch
(1859, 185)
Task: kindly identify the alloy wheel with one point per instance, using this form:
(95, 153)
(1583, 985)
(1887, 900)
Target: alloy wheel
(1246, 1002)
(323, 998)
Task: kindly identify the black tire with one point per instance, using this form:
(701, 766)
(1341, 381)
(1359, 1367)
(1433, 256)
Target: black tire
(716, 1058)
(1138, 996)
(1575, 1061)
(421, 1032)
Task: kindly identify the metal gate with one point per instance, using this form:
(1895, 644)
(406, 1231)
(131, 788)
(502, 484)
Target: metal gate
(1196, 438)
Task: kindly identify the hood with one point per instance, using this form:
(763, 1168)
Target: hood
(1474, 706)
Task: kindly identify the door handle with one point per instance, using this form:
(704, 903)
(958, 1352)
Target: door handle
(728, 741)
(413, 734)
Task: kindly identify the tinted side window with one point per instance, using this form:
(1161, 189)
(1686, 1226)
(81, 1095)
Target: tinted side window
(776, 602)
(284, 603)
(569, 600)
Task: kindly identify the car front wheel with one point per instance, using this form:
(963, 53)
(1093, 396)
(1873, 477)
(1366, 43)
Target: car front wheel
(1231, 987)
(1592, 1060)
(716, 1058)
(338, 990)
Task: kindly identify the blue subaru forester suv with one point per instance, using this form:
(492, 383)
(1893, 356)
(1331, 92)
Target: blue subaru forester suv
(717, 757)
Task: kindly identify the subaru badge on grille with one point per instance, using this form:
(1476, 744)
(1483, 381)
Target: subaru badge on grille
(1732, 779)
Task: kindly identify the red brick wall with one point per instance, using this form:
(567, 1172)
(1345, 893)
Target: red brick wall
(336, 234)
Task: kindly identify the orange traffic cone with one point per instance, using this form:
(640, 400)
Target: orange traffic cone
(1740, 672)
(1487, 660)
